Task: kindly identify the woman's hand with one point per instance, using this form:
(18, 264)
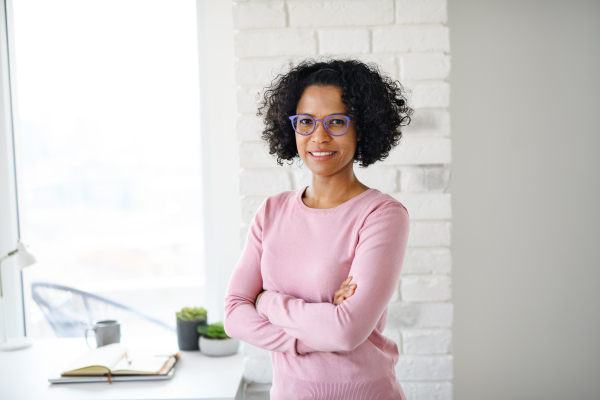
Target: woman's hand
(257, 299)
(345, 291)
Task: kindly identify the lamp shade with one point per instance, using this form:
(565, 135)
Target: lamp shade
(23, 258)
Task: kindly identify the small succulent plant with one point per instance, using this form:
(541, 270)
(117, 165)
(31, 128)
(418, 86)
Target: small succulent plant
(213, 331)
(191, 314)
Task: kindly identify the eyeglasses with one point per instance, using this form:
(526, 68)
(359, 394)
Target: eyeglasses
(335, 125)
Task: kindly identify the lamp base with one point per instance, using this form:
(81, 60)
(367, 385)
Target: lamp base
(15, 344)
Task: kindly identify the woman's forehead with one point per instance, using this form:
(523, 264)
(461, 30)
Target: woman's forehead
(321, 99)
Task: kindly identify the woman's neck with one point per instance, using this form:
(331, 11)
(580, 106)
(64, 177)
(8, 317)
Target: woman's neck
(331, 191)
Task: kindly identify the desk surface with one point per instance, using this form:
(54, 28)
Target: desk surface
(24, 374)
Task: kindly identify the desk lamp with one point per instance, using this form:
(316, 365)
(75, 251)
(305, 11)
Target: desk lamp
(23, 259)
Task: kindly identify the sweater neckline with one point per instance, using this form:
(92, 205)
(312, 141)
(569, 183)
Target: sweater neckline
(345, 204)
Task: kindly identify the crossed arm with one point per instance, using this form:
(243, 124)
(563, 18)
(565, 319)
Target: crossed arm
(288, 324)
(241, 319)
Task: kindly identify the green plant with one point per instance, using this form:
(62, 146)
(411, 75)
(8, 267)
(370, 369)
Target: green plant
(191, 314)
(214, 331)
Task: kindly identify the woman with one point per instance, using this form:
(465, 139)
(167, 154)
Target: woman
(285, 294)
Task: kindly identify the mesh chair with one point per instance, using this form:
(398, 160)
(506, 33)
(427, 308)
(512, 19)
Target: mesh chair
(69, 311)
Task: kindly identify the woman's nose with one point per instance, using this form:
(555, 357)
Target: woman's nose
(320, 134)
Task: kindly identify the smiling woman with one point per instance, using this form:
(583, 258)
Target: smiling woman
(285, 294)
(375, 102)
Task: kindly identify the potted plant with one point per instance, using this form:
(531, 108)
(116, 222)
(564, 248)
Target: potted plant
(188, 319)
(215, 342)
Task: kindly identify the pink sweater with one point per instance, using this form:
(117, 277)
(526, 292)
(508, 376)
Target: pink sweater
(301, 255)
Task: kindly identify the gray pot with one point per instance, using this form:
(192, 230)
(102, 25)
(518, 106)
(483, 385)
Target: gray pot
(187, 335)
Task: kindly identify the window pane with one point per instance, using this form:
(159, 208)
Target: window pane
(110, 176)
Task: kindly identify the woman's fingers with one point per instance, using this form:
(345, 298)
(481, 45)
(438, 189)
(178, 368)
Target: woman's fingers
(343, 293)
(346, 282)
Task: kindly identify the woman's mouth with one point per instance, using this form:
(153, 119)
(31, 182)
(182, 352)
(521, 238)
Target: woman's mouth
(322, 155)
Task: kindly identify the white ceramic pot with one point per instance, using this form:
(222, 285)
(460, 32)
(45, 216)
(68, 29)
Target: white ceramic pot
(218, 347)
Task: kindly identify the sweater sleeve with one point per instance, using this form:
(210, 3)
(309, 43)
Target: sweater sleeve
(375, 270)
(241, 319)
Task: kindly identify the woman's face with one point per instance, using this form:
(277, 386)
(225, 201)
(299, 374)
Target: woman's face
(320, 102)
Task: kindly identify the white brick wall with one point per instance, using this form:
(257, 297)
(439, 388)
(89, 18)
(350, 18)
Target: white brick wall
(409, 40)
(318, 14)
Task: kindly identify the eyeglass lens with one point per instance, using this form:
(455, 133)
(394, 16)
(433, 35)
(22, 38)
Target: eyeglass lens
(334, 124)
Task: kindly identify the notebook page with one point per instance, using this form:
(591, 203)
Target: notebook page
(106, 356)
(141, 364)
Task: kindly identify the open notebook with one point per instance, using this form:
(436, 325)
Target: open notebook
(115, 362)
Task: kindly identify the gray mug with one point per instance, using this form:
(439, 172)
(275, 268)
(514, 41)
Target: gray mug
(107, 332)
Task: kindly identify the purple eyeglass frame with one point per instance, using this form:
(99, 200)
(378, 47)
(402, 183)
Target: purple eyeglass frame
(348, 119)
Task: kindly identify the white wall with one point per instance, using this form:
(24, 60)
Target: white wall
(526, 195)
(409, 40)
(219, 155)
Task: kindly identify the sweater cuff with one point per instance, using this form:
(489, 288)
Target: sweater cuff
(263, 303)
(302, 348)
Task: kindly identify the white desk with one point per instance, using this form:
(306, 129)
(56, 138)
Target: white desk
(24, 374)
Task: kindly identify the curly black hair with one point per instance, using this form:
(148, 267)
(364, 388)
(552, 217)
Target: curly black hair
(376, 100)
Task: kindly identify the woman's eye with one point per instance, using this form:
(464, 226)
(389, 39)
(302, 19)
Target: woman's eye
(336, 121)
(305, 121)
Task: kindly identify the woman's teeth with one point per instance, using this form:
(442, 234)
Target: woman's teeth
(322, 154)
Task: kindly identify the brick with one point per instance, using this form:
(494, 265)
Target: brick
(412, 179)
(424, 368)
(256, 155)
(427, 260)
(420, 150)
(396, 294)
(426, 206)
(295, 60)
(381, 178)
(259, 71)
(341, 13)
(250, 205)
(427, 390)
(248, 98)
(301, 177)
(386, 62)
(249, 128)
(426, 288)
(424, 66)
(264, 182)
(421, 11)
(429, 234)
(243, 235)
(344, 41)
(394, 334)
(429, 122)
(254, 352)
(419, 315)
(427, 341)
(259, 15)
(429, 94)
(275, 43)
(259, 370)
(437, 178)
(413, 38)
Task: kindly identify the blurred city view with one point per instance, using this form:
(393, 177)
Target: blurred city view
(109, 180)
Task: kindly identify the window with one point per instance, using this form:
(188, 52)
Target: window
(110, 183)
